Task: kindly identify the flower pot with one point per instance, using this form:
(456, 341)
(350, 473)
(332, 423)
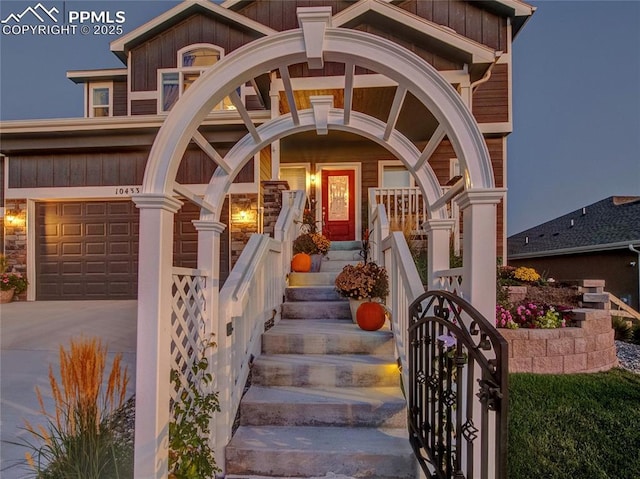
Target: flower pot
(370, 316)
(354, 304)
(316, 262)
(301, 263)
(6, 296)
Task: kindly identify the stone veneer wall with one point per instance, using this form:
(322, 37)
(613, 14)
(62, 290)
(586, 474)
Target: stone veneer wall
(242, 227)
(15, 238)
(588, 348)
(272, 203)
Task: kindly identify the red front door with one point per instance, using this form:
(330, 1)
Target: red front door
(339, 204)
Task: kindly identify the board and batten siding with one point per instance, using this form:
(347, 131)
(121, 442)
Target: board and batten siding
(491, 99)
(119, 98)
(161, 50)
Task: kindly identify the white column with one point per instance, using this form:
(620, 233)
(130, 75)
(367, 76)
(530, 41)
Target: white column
(153, 365)
(438, 237)
(479, 216)
(275, 146)
(209, 260)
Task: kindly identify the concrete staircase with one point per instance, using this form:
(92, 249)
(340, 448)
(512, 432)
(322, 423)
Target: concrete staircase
(325, 396)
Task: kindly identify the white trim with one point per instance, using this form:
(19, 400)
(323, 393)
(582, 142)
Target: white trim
(129, 76)
(143, 95)
(357, 168)
(84, 76)
(496, 128)
(578, 249)
(454, 167)
(31, 249)
(505, 164)
(100, 86)
(383, 163)
(81, 193)
(477, 52)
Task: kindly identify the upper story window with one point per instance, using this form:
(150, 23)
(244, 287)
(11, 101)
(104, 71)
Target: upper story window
(393, 174)
(100, 99)
(193, 61)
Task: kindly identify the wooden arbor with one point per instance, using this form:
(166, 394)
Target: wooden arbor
(315, 42)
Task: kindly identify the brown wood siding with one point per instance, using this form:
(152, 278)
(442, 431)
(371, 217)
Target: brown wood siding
(161, 50)
(491, 99)
(466, 18)
(282, 15)
(144, 107)
(437, 61)
(439, 162)
(119, 98)
(77, 169)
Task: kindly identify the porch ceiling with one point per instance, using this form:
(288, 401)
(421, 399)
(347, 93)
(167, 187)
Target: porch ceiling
(415, 121)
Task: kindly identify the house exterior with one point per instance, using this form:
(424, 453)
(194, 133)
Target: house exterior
(598, 241)
(69, 220)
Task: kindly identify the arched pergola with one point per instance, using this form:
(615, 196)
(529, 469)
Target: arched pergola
(315, 42)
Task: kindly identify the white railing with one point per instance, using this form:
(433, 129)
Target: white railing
(450, 280)
(251, 296)
(405, 287)
(405, 207)
(378, 231)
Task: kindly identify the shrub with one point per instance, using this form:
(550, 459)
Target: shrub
(635, 333)
(528, 275)
(622, 328)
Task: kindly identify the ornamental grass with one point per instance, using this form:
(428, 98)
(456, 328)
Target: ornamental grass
(79, 439)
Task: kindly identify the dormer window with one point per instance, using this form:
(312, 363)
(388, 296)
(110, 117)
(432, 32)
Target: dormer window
(100, 99)
(193, 61)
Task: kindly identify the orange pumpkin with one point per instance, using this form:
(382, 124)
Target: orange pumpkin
(301, 263)
(370, 316)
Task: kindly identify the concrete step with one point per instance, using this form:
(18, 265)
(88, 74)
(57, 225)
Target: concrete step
(345, 245)
(316, 310)
(312, 279)
(343, 255)
(353, 407)
(325, 336)
(345, 370)
(315, 451)
(335, 265)
(312, 293)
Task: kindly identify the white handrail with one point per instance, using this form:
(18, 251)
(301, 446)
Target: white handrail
(251, 296)
(405, 206)
(405, 287)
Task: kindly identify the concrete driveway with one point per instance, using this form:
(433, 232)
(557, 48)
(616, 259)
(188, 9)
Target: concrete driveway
(30, 336)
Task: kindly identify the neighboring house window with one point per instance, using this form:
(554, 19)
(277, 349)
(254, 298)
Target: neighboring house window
(193, 61)
(393, 174)
(100, 98)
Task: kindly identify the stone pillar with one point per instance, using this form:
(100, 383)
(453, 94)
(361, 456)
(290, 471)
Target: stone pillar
(243, 222)
(479, 214)
(438, 234)
(15, 239)
(153, 363)
(272, 203)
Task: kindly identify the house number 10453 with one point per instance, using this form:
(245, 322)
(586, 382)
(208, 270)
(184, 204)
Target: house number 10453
(127, 190)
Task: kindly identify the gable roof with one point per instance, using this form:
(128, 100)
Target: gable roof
(474, 52)
(611, 223)
(122, 45)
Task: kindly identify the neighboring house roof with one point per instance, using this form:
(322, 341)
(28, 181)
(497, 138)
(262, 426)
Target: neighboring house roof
(612, 223)
(181, 11)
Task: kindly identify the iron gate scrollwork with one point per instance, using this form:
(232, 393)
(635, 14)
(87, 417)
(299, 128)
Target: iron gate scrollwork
(458, 389)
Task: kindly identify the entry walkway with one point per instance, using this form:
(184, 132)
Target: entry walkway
(30, 336)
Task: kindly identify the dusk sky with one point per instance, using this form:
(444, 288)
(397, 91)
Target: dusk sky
(576, 98)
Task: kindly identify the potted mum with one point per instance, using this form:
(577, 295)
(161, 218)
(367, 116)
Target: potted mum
(313, 245)
(10, 283)
(366, 285)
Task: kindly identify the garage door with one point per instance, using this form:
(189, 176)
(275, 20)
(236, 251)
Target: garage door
(87, 250)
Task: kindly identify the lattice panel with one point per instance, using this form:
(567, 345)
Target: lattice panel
(187, 329)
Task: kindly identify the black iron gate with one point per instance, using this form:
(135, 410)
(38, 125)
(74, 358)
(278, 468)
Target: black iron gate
(458, 393)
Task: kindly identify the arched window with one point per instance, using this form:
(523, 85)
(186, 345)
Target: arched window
(192, 61)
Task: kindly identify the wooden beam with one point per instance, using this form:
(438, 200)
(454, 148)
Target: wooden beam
(202, 142)
(430, 149)
(286, 83)
(244, 114)
(396, 106)
(349, 73)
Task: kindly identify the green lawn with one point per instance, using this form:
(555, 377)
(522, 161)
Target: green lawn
(583, 426)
